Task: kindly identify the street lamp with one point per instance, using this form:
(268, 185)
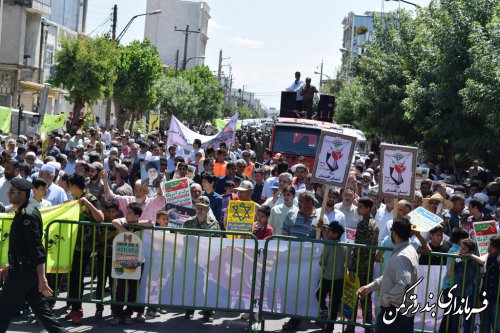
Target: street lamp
(154, 12)
(408, 2)
(185, 64)
(318, 73)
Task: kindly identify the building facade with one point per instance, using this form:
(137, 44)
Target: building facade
(358, 31)
(30, 32)
(176, 14)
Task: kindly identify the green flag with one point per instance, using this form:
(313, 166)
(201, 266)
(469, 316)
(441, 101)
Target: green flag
(220, 123)
(53, 122)
(62, 236)
(5, 116)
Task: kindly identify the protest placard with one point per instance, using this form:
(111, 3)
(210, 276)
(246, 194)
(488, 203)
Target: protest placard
(333, 158)
(177, 192)
(350, 235)
(240, 215)
(422, 220)
(127, 256)
(149, 172)
(398, 167)
(350, 297)
(484, 231)
(420, 175)
(177, 215)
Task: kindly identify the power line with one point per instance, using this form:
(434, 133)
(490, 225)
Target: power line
(101, 25)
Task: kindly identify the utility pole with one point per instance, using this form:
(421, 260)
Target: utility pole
(186, 38)
(109, 101)
(243, 95)
(220, 66)
(113, 25)
(176, 62)
(321, 76)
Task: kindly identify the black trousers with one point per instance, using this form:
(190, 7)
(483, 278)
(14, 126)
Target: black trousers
(21, 285)
(401, 324)
(335, 298)
(121, 295)
(103, 275)
(75, 283)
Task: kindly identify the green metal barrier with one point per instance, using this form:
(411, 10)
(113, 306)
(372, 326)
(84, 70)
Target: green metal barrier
(278, 299)
(99, 261)
(280, 258)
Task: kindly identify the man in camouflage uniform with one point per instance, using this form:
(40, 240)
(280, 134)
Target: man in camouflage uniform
(90, 210)
(204, 221)
(362, 260)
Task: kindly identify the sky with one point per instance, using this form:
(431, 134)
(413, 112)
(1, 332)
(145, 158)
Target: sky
(266, 40)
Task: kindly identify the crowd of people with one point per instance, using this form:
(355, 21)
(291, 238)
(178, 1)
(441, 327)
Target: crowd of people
(102, 169)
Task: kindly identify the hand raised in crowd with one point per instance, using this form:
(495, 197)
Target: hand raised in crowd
(321, 223)
(84, 201)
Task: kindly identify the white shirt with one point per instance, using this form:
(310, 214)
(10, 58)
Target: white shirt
(278, 214)
(296, 87)
(106, 137)
(267, 191)
(351, 215)
(337, 215)
(382, 218)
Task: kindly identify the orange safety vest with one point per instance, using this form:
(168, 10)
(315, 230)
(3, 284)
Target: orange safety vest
(220, 169)
(249, 170)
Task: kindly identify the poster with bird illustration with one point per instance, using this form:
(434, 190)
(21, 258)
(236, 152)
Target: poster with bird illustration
(333, 158)
(397, 177)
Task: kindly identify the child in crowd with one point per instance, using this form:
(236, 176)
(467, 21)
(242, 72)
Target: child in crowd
(464, 276)
(134, 211)
(161, 221)
(362, 260)
(104, 254)
(457, 235)
(261, 229)
(491, 315)
(333, 263)
(162, 218)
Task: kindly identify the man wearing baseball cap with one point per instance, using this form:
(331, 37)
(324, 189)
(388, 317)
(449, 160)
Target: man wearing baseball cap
(202, 220)
(24, 275)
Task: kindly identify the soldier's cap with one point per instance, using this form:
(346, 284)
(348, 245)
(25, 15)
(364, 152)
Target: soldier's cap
(21, 184)
(245, 186)
(202, 201)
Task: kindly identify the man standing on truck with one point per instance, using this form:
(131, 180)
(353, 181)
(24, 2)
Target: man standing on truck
(307, 92)
(296, 86)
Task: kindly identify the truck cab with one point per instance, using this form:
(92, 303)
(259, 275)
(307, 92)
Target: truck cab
(293, 137)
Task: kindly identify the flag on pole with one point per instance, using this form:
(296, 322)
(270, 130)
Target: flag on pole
(53, 122)
(61, 236)
(5, 118)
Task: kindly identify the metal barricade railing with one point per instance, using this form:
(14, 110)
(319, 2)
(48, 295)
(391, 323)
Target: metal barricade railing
(288, 289)
(182, 269)
(191, 268)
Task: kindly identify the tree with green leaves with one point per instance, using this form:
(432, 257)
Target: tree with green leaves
(86, 68)
(135, 88)
(373, 100)
(177, 97)
(441, 101)
(207, 89)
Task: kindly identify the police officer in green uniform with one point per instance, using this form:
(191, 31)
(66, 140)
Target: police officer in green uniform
(24, 275)
(204, 221)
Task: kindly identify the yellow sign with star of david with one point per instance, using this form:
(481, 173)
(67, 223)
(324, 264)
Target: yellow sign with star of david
(240, 215)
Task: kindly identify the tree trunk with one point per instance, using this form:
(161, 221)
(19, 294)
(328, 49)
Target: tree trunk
(120, 115)
(132, 119)
(77, 108)
(448, 154)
